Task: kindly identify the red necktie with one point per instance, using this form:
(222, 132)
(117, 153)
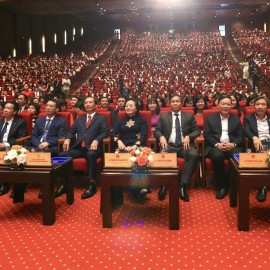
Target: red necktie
(87, 125)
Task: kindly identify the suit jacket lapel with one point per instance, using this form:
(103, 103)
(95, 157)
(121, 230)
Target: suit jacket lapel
(12, 127)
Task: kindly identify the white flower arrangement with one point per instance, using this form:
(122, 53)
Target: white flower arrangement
(17, 154)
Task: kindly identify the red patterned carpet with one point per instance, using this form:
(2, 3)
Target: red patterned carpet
(208, 237)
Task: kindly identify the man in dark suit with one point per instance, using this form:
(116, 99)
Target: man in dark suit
(47, 131)
(121, 101)
(257, 130)
(223, 135)
(22, 100)
(90, 130)
(12, 127)
(176, 131)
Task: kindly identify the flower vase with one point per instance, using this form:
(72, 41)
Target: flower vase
(137, 169)
(16, 167)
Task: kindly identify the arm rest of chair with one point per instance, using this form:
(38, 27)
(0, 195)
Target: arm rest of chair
(60, 144)
(107, 145)
(152, 142)
(246, 143)
(21, 140)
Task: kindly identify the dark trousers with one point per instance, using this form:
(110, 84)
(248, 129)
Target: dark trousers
(190, 156)
(217, 156)
(90, 155)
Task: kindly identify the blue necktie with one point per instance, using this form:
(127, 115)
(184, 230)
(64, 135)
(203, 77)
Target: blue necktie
(46, 130)
(178, 139)
(3, 131)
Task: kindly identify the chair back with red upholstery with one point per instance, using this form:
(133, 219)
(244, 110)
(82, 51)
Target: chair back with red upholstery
(165, 109)
(28, 117)
(73, 111)
(66, 115)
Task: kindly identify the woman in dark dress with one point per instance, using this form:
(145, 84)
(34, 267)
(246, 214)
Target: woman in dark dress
(130, 133)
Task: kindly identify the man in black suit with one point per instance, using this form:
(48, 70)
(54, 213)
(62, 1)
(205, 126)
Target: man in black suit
(22, 100)
(12, 127)
(176, 131)
(90, 130)
(48, 130)
(223, 135)
(257, 130)
(121, 102)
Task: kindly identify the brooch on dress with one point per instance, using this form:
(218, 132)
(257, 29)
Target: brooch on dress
(130, 123)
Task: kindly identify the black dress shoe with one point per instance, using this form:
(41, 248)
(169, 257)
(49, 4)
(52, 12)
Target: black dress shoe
(221, 193)
(4, 188)
(262, 194)
(92, 189)
(60, 191)
(40, 195)
(183, 194)
(162, 193)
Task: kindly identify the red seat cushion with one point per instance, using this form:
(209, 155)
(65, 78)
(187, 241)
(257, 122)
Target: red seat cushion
(80, 164)
(180, 163)
(209, 164)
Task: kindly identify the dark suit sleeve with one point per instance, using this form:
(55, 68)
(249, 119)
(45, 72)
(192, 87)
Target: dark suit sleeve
(143, 132)
(58, 131)
(73, 129)
(190, 128)
(249, 131)
(21, 131)
(237, 133)
(103, 130)
(208, 132)
(159, 128)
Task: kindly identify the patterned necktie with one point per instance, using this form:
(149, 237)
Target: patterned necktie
(87, 125)
(3, 131)
(46, 130)
(178, 139)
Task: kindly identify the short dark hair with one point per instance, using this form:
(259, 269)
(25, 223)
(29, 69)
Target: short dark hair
(223, 97)
(121, 96)
(261, 97)
(25, 96)
(37, 107)
(95, 101)
(175, 95)
(54, 101)
(80, 104)
(15, 104)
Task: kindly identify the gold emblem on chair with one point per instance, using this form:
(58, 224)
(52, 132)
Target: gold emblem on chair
(130, 123)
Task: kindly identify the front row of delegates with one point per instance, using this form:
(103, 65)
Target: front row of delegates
(223, 135)
(175, 131)
(257, 130)
(12, 127)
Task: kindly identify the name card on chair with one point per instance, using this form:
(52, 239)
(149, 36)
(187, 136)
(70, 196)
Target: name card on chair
(253, 160)
(2, 155)
(117, 160)
(164, 160)
(38, 159)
